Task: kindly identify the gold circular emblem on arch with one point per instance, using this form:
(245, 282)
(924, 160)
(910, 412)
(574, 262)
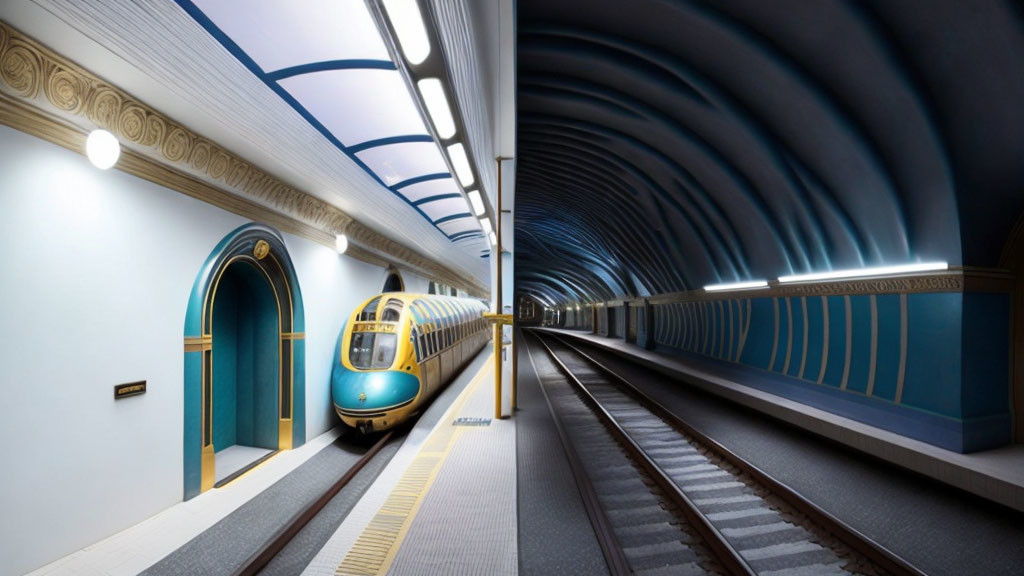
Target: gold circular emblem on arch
(261, 250)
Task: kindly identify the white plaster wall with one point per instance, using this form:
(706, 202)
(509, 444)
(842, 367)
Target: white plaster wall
(332, 286)
(413, 282)
(94, 281)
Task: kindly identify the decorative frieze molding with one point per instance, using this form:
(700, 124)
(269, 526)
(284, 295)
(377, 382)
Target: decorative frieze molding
(65, 101)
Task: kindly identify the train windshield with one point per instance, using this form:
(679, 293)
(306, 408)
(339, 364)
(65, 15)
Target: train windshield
(372, 350)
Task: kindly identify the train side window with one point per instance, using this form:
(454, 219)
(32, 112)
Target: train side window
(414, 337)
(392, 310)
(369, 313)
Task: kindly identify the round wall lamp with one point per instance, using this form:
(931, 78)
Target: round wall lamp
(102, 149)
(341, 243)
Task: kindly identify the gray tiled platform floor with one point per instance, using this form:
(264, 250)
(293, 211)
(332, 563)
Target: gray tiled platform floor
(938, 529)
(555, 534)
(333, 552)
(467, 521)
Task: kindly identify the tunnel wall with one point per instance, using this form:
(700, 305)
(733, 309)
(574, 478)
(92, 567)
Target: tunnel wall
(931, 366)
(97, 271)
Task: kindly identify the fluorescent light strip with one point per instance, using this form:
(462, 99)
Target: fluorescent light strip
(408, 23)
(437, 106)
(457, 154)
(494, 239)
(485, 223)
(476, 202)
(879, 271)
(736, 286)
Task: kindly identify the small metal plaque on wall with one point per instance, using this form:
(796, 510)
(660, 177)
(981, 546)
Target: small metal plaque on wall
(129, 389)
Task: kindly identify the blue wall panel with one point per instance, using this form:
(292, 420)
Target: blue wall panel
(860, 359)
(836, 359)
(758, 348)
(887, 364)
(796, 354)
(938, 402)
(815, 337)
(987, 333)
(933, 353)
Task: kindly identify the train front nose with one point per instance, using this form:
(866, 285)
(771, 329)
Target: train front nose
(363, 396)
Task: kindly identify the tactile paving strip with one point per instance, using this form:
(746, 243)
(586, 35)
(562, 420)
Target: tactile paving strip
(375, 549)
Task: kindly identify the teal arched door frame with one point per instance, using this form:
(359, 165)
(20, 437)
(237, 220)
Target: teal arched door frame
(262, 247)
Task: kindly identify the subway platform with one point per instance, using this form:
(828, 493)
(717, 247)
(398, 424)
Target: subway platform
(465, 493)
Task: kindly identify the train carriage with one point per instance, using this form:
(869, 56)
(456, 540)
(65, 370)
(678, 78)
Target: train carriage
(398, 350)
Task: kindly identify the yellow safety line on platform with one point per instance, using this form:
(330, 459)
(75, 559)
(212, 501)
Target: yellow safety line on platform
(376, 548)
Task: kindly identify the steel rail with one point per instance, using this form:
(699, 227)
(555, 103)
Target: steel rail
(614, 556)
(265, 553)
(724, 552)
(858, 541)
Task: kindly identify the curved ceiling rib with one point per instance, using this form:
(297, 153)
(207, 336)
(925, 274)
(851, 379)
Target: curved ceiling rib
(328, 61)
(664, 146)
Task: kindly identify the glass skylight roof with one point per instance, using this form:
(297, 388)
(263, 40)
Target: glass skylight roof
(279, 36)
(328, 61)
(396, 163)
(461, 227)
(358, 105)
(438, 209)
(421, 190)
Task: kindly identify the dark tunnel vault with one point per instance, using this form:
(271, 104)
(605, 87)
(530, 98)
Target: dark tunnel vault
(663, 146)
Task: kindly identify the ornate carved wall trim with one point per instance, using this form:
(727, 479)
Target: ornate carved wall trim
(46, 95)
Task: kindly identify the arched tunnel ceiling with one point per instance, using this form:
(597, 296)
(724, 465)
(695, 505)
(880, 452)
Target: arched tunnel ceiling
(667, 145)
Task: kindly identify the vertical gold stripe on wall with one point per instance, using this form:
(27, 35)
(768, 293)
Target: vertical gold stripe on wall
(903, 349)
(789, 335)
(849, 342)
(874, 346)
(803, 355)
(824, 339)
(775, 340)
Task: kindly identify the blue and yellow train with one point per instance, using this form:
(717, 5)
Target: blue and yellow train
(397, 351)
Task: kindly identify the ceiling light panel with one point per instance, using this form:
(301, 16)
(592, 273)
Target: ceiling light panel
(415, 192)
(396, 163)
(437, 106)
(357, 106)
(457, 154)
(443, 208)
(278, 34)
(476, 202)
(407, 21)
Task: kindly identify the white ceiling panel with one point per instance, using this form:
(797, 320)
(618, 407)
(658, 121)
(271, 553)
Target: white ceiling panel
(395, 163)
(358, 105)
(284, 33)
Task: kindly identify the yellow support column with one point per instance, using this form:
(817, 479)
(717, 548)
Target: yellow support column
(499, 320)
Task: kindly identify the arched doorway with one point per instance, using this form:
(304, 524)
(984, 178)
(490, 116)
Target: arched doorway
(244, 358)
(394, 282)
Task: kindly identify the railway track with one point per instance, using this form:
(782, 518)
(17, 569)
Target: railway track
(731, 517)
(284, 535)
